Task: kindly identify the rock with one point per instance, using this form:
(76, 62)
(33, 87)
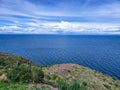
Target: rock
(3, 78)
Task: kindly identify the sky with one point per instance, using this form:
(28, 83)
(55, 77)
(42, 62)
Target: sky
(59, 16)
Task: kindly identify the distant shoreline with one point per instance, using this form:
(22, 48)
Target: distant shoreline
(61, 34)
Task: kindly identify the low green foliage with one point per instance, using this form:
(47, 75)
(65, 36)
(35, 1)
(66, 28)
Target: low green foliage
(19, 73)
(19, 69)
(37, 75)
(1, 72)
(7, 60)
(63, 85)
(25, 73)
(54, 76)
(107, 86)
(16, 72)
(45, 88)
(20, 86)
(52, 79)
(47, 77)
(12, 86)
(74, 85)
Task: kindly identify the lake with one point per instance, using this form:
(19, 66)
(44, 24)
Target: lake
(99, 52)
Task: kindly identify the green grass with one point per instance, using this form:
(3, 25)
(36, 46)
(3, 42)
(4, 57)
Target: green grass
(12, 86)
(87, 78)
(19, 86)
(21, 72)
(19, 69)
(73, 85)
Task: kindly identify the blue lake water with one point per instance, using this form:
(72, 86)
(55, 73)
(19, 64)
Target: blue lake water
(98, 52)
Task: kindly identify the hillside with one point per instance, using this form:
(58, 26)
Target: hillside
(18, 73)
(93, 79)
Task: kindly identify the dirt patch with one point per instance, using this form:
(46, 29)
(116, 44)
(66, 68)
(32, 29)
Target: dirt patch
(40, 85)
(58, 68)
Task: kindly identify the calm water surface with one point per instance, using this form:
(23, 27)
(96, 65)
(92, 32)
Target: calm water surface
(101, 53)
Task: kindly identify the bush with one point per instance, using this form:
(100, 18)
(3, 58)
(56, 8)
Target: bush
(47, 77)
(54, 76)
(107, 86)
(1, 72)
(37, 74)
(74, 85)
(19, 69)
(25, 73)
(63, 85)
(19, 73)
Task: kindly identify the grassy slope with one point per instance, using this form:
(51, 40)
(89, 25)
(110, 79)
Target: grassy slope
(12, 86)
(9, 62)
(68, 72)
(94, 79)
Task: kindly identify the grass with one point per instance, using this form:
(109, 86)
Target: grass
(18, 72)
(12, 86)
(73, 85)
(19, 69)
(91, 79)
(19, 86)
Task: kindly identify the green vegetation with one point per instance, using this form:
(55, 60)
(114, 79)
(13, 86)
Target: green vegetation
(25, 73)
(19, 69)
(7, 60)
(12, 86)
(72, 77)
(18, 73)
(15, 69)
(74, 85)
(19, 86)
(63, 84)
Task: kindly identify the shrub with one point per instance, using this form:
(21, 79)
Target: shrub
(19, 73)
(25, 73)
(19, 69)
(63, 85)
(107, 86)
(47, 77)
(73, 85)
(84, 83)
(1, 72)
(83, 87)
(37, 74)
(52, 83)
(54, 76)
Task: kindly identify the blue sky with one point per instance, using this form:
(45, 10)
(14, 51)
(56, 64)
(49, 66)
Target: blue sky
(60, 16)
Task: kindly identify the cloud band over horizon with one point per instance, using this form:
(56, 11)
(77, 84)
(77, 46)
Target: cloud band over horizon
(60, 16)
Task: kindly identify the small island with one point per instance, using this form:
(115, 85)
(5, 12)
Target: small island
(18, 73)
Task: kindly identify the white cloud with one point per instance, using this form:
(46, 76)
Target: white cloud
(33, 24)
(10, 29)
(64, 27)
(83, 27)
